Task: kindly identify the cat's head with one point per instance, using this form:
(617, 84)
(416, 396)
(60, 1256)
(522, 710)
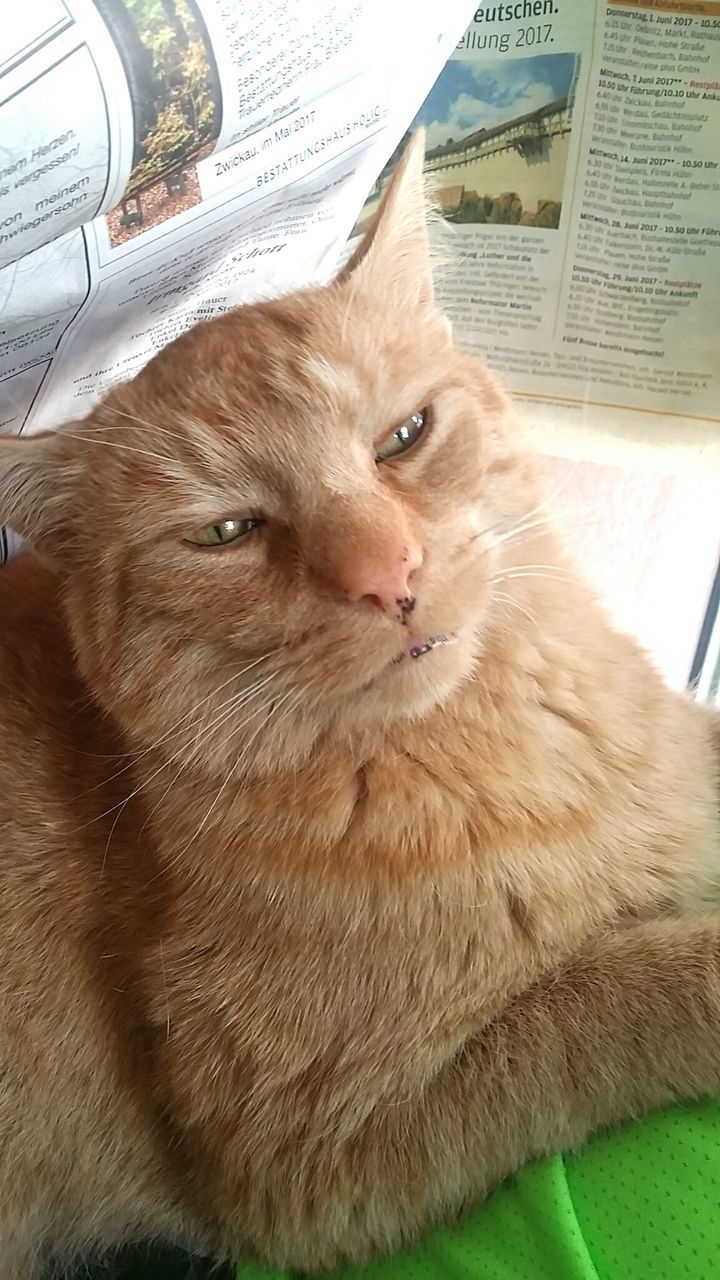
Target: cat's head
(294, 507)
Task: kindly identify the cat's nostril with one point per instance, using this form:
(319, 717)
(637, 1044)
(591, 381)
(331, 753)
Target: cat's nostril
(397, 607)
(377, 601)
(382, 600)
(383, 582)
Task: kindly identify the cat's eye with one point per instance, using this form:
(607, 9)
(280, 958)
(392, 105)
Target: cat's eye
(402, 438)
(223, 533)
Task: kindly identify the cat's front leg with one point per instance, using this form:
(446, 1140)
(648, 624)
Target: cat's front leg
(630, 1024)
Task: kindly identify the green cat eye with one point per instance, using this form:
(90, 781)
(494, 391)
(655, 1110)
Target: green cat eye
(402, 438)
(222, 533)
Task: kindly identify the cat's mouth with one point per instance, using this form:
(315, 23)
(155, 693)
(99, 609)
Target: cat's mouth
(419, 646)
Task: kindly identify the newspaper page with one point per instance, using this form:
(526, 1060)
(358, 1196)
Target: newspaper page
(162, 161)
(574, 148)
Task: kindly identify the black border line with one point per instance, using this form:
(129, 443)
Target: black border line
(6, 377)
(96, 213)
(41, 42)
(708, 623)
(107, 134)
(70, 322)
(29, 83)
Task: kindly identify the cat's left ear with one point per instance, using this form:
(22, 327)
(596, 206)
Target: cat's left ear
(38, 490)
(393, 258)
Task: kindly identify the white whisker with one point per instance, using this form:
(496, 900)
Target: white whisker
(216, 724)
(510, 600)
(142, 422)
(274, 708)
(177, 726)
(115, 444)
(527, 518)
(241, 699)
(515, 575)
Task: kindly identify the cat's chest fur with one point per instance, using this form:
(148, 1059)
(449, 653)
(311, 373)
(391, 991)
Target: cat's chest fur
(432, 875)
(544, 773)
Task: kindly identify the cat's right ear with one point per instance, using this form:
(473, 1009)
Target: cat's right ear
(38, 486)
(393, 257)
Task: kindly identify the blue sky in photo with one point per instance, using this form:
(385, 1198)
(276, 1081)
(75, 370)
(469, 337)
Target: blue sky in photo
(472, 95)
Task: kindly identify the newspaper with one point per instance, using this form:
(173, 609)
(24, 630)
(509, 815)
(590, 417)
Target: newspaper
(574, 146)
(574, 151)
(162, 161)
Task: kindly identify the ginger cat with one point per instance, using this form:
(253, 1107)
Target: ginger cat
(348, 859)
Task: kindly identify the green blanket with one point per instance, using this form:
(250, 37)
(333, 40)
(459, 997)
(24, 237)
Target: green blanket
(641, 1203)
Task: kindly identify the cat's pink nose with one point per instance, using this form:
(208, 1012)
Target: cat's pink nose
(384, 583)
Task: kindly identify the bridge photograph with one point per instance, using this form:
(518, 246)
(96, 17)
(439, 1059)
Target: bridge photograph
(498, 136)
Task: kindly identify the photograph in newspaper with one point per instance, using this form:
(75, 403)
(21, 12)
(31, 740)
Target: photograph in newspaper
(497, 141)
(574, 148)
(173, 79)
(235, 143)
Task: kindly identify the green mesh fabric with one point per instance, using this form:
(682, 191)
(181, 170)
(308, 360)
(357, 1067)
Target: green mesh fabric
(641, 1203)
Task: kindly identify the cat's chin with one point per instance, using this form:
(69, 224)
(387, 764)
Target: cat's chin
(424, 674)
(420, 646)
